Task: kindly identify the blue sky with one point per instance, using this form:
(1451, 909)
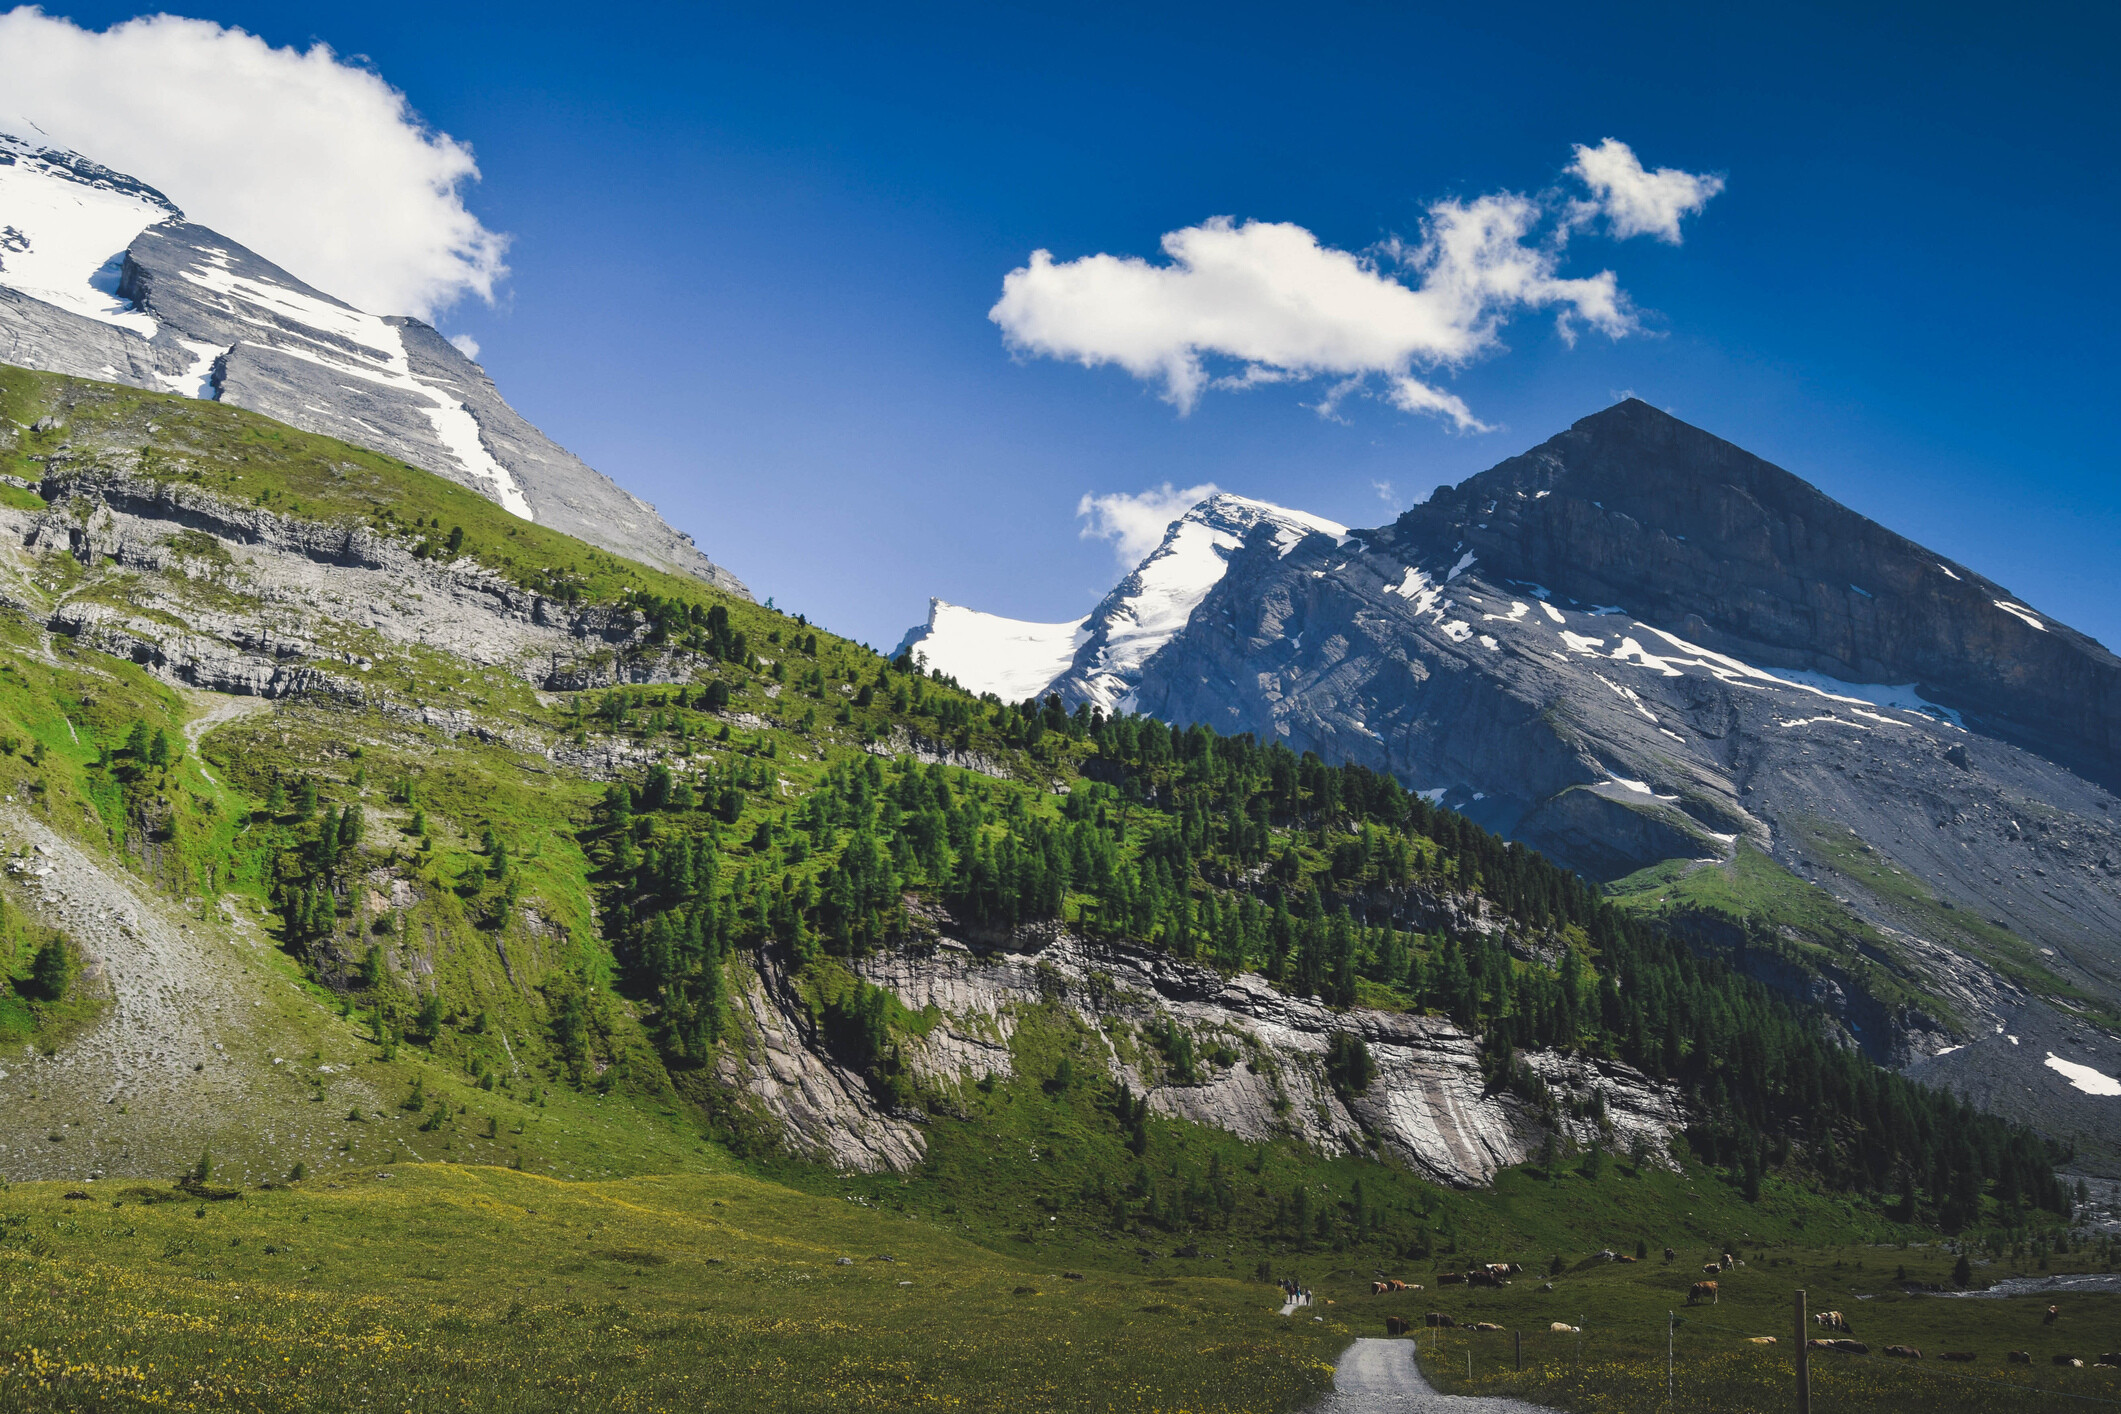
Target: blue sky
(753, 251)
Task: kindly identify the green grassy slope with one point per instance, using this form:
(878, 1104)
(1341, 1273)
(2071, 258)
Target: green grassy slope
(435, 1287)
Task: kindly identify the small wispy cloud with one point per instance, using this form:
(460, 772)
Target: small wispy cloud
(1635, 201)
(1237, 305)
(1135, 522)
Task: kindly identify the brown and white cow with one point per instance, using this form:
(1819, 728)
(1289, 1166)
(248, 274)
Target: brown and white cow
(1903, 1352)
(1700, 1290)
(1834, 1321)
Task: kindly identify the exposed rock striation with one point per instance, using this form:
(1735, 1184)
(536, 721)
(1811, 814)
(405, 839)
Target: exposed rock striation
(1429, 1105)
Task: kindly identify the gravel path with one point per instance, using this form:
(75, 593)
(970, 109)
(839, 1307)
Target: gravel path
(1380, 1377)
(197, 1046)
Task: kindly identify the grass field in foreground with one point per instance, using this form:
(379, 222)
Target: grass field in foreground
(1618, 1361)
(463, 1287)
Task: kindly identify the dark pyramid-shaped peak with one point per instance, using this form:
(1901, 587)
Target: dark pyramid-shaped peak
(1634, 508)
(1640, 460)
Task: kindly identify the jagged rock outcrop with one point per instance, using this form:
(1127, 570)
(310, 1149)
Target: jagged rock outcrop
(238, 599)
(1429, 1104)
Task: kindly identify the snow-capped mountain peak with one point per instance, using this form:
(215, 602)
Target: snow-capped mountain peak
(101, 276)
(65, 223)
(1099, 657)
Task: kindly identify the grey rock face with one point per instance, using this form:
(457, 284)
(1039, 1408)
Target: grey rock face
(209, 318)
(1429, 1104)
(1634, 507)
(287, 605)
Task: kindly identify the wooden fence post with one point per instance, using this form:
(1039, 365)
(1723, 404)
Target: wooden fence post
(1804, 1362)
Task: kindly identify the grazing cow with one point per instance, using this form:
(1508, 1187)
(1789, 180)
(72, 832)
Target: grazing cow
(1712, 1269)
(1559, 1329)
(1378, 1288)
(2020, 1357)
(1480, 1278)
(1903, 1352)
(2054, 1314)
(2070, 1360)
(1395, 1325)
(1699, 1290)
(1729, 1261)
(1670, 1253)
(1834, 1321)
(1439, 1320)
(1964, 1357)
(1397, 1285)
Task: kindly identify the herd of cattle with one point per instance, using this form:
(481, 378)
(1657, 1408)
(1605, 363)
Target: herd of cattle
(1499, 1273)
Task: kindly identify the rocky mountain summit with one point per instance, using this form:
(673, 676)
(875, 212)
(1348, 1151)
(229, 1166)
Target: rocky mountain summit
(102, 277)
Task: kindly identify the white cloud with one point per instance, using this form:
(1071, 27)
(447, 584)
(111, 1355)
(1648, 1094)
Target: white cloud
(1635, 202)
(317, 164)
(1237, 305)
(1386, 494)
(466, 345)
(1135, 524)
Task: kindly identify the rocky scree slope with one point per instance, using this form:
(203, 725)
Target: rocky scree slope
(1638, 643)
(102, 277)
